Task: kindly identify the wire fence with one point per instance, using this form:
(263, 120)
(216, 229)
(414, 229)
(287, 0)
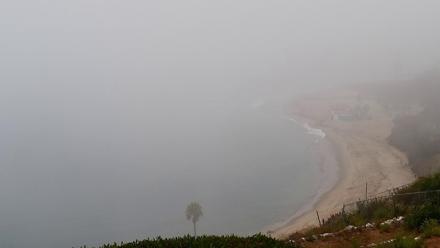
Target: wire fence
(410, 198)
(393, 200)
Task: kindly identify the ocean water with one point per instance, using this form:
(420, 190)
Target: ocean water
(87, 165)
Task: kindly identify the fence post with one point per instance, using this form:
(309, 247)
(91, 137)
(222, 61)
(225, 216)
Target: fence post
(366, 191)
(343, 214)
(394, 205)
(319, 220)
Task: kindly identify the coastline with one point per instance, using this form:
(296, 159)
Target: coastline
(361, 153)
(329, 175)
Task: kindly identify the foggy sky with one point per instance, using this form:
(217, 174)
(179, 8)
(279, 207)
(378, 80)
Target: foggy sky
(91, 91)
(215, 41)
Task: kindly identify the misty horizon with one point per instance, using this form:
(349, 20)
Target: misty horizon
(116, 115)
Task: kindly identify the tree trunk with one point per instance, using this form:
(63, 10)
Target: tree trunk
(194, 224)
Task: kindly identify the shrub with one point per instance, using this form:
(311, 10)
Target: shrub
(382, 212)
(256, 241)
(385, 228)
(422, 213)
(403, 242)
(430, 228)
(407, 242)
(355, 243)
(427, 183)
(356, 220)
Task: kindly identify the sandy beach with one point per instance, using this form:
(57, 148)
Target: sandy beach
(360, 148)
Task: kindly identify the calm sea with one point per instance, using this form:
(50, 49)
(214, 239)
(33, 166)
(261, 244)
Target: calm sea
(103, 163)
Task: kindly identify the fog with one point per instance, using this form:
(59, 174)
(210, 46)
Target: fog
(116, 114)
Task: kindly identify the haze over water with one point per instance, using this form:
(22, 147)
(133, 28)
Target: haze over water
(116, 114)
(88, 164)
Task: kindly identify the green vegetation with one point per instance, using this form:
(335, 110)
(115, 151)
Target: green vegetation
(431, 228)
(419, 214)
(424, 184)
(355, 243)
(403, 242)
(385, 228)
(256, 241)
(374, 211)
(418, 204)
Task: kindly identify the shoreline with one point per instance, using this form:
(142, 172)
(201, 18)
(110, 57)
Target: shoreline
(361, 155)
(329, 175)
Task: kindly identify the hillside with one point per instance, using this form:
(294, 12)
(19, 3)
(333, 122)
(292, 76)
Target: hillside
(407, 217)
(414, 105)
(256, 241)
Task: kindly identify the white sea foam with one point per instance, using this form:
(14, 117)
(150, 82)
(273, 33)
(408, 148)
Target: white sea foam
(310, 130)
(314, 131)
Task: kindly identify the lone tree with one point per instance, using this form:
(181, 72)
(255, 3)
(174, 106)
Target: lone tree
(193, 213)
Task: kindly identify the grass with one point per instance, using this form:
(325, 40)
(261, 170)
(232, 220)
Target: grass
(403, 242)
(385, 228)
(421, 212)
(430, 228)
(424, 184)
(256, 241)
